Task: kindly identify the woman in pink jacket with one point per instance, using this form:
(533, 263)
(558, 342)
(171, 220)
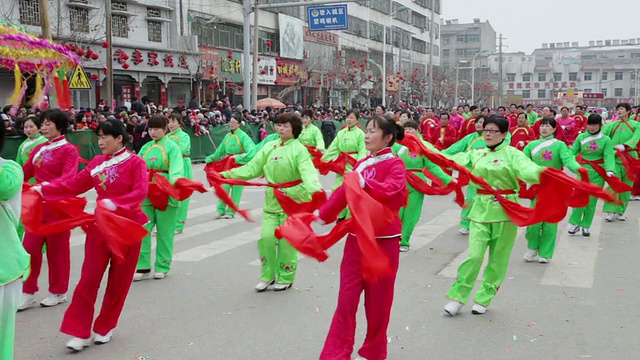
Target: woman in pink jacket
(382, 176)
(568, 125)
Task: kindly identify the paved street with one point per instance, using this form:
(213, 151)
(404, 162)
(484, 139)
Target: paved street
(583, 304)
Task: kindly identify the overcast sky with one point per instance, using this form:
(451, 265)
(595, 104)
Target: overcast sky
(528, 23)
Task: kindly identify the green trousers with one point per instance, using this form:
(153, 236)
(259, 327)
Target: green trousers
(583, 217)
(235, 192)
(410, 215)
(464, 218)
(499, 237)
(621, 172)
(164, 222)
(9, 300)
(183, 206)
(542, 237)
(279, 259)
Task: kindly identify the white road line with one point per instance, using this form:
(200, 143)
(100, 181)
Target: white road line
(425, 233)
(574, 259)
(451, 270)
(217, 247)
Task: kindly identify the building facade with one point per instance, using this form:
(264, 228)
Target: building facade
(601, 74)
(460, 42)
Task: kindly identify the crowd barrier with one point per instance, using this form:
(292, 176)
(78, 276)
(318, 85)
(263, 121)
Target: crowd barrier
(201, 146)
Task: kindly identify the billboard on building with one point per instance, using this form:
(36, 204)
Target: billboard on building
(291, 37)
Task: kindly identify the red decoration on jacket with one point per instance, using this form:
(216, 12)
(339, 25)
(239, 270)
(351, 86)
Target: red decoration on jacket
(523, 134)
(442, 139)
(468, 127)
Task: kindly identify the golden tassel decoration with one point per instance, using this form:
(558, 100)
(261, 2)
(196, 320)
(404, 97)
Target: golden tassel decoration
(17, 87)
(38, 94)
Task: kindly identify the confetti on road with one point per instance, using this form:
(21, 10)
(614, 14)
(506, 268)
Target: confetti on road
(515, 337)
(317, 309)
(531, 324)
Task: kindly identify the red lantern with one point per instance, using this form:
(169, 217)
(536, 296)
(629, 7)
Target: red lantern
(216, 85)
(268, 43)
(259, 58)
(380, 78)
(338, 56)
(286, 76)
(263, 72)
(105, 44)
(275, 82)
(95, 76)
(105, 71)
(362, 65)
(230, 84)
(230, 54)
(344, 79)
(370, 76)
(352, 62)
(366, 60)
(80, 52)
(94, 56)
(125, 66)
(211, 87)
(277, 58)
(398, 73)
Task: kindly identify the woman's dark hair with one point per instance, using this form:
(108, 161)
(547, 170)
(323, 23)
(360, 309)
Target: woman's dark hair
(472, 107)
(381, 107)
(485, 108)
(33, 119)
(114, 128)
(499, 121)
(307, 112)
(294, 120)
(502, 107)
(411, 124)
(158, 121)
(594, 119)
(237, 118)
(357, 113)
(549, 121)
(624, 105)
(525, 115)
(178, 118)
(563, 108)
(483, 117)
(445, 114)
(389, 127)
(58, 117)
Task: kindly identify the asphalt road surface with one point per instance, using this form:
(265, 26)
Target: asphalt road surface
(583, 304)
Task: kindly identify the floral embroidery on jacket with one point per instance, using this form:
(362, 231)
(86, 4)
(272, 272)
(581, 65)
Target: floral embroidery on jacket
(110, 175)
(44, 158)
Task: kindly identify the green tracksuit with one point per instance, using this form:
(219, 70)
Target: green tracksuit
(549, 152)
(470, 142)
(246, 157)
(622, 133)
(311, 136)
(593, 148)
(412, 212)
(162, 155)
(490, 225)
(235, 142)
(349, 140)
(183, 141)
(24, 151)
(279, 163)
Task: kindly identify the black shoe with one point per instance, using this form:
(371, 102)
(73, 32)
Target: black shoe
(585, 232)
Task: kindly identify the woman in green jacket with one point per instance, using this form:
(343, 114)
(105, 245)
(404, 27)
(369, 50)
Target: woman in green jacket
(182, 139)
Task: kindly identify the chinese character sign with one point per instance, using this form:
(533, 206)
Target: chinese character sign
(289, 72)
(230, 68)
(267, 70)
(332, 17)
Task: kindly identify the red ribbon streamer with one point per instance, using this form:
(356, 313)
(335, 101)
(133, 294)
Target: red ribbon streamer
(161, 189)
(225, 164)
(338, 165)
(614, 182)
(631, 164)
(421, 186)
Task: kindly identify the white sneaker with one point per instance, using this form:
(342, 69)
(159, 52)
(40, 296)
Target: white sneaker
(53, 300)
(263, 285)
(141, 276)
(478, 309)
(404, 248)
(179, 232)
(281, 287)
(26, 301)
(586, 232)
(452, 308)
(543, 260)
(620, 217)
(573, 229)
(159, 275)
(634, 198)
(530, 254)
(103, 339)
(464, 231)
(77, 344)
(218, 217)
(610, 217)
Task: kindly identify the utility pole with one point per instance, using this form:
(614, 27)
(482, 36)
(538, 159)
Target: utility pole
(254, 83)
(181, 12)
(44, 19)
(500, 75)
(246, 44)
(430, 77)
(107, 11)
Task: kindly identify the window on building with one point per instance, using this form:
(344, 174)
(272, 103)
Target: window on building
(588, 76)
(445, 53)
(396, 36)
(526, 77)
(155, 31)
(471, 52)
(357, 26)
(605, 75)
(29, 12)
(617, 92)
(429, 4)
(573, 76)
(511, 92)
(526, 94)
(542, 77)
(436, 30)
(557, 76)
(511, 77)
(79, 19)
(634, 74)
(618, 76)
(383, 6)
(604, 91)
(587, 91)
(376, 32)
(265, 37)
(419, 45)
(446, 40)
(422, 3)
(406, 40)
(404, 15)
(470, 38)
(387, 34)
(542, 93)
(632, 92)
(120, 26)
(436, 49)
(459, 52)
(419, 20)
(460, 38)
(218, 35)
(119, 6)
(291, 11)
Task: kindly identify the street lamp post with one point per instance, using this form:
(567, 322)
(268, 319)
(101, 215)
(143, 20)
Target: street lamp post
(384, 53)
(473, 76)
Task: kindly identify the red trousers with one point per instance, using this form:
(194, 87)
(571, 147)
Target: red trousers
(636, 186)
(378, 298)
(79, 316)
(58, 258)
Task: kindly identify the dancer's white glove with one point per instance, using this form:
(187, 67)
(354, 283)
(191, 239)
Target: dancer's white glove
(37, 189)
(610, 174)
(620, 147)
(521, 143)
(109, 205)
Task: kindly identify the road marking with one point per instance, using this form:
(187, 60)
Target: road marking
(574, 259)
(425, 233)
(451, 270)
(219, 246)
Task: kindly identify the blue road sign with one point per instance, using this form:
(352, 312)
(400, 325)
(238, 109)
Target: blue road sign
(329, 17)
